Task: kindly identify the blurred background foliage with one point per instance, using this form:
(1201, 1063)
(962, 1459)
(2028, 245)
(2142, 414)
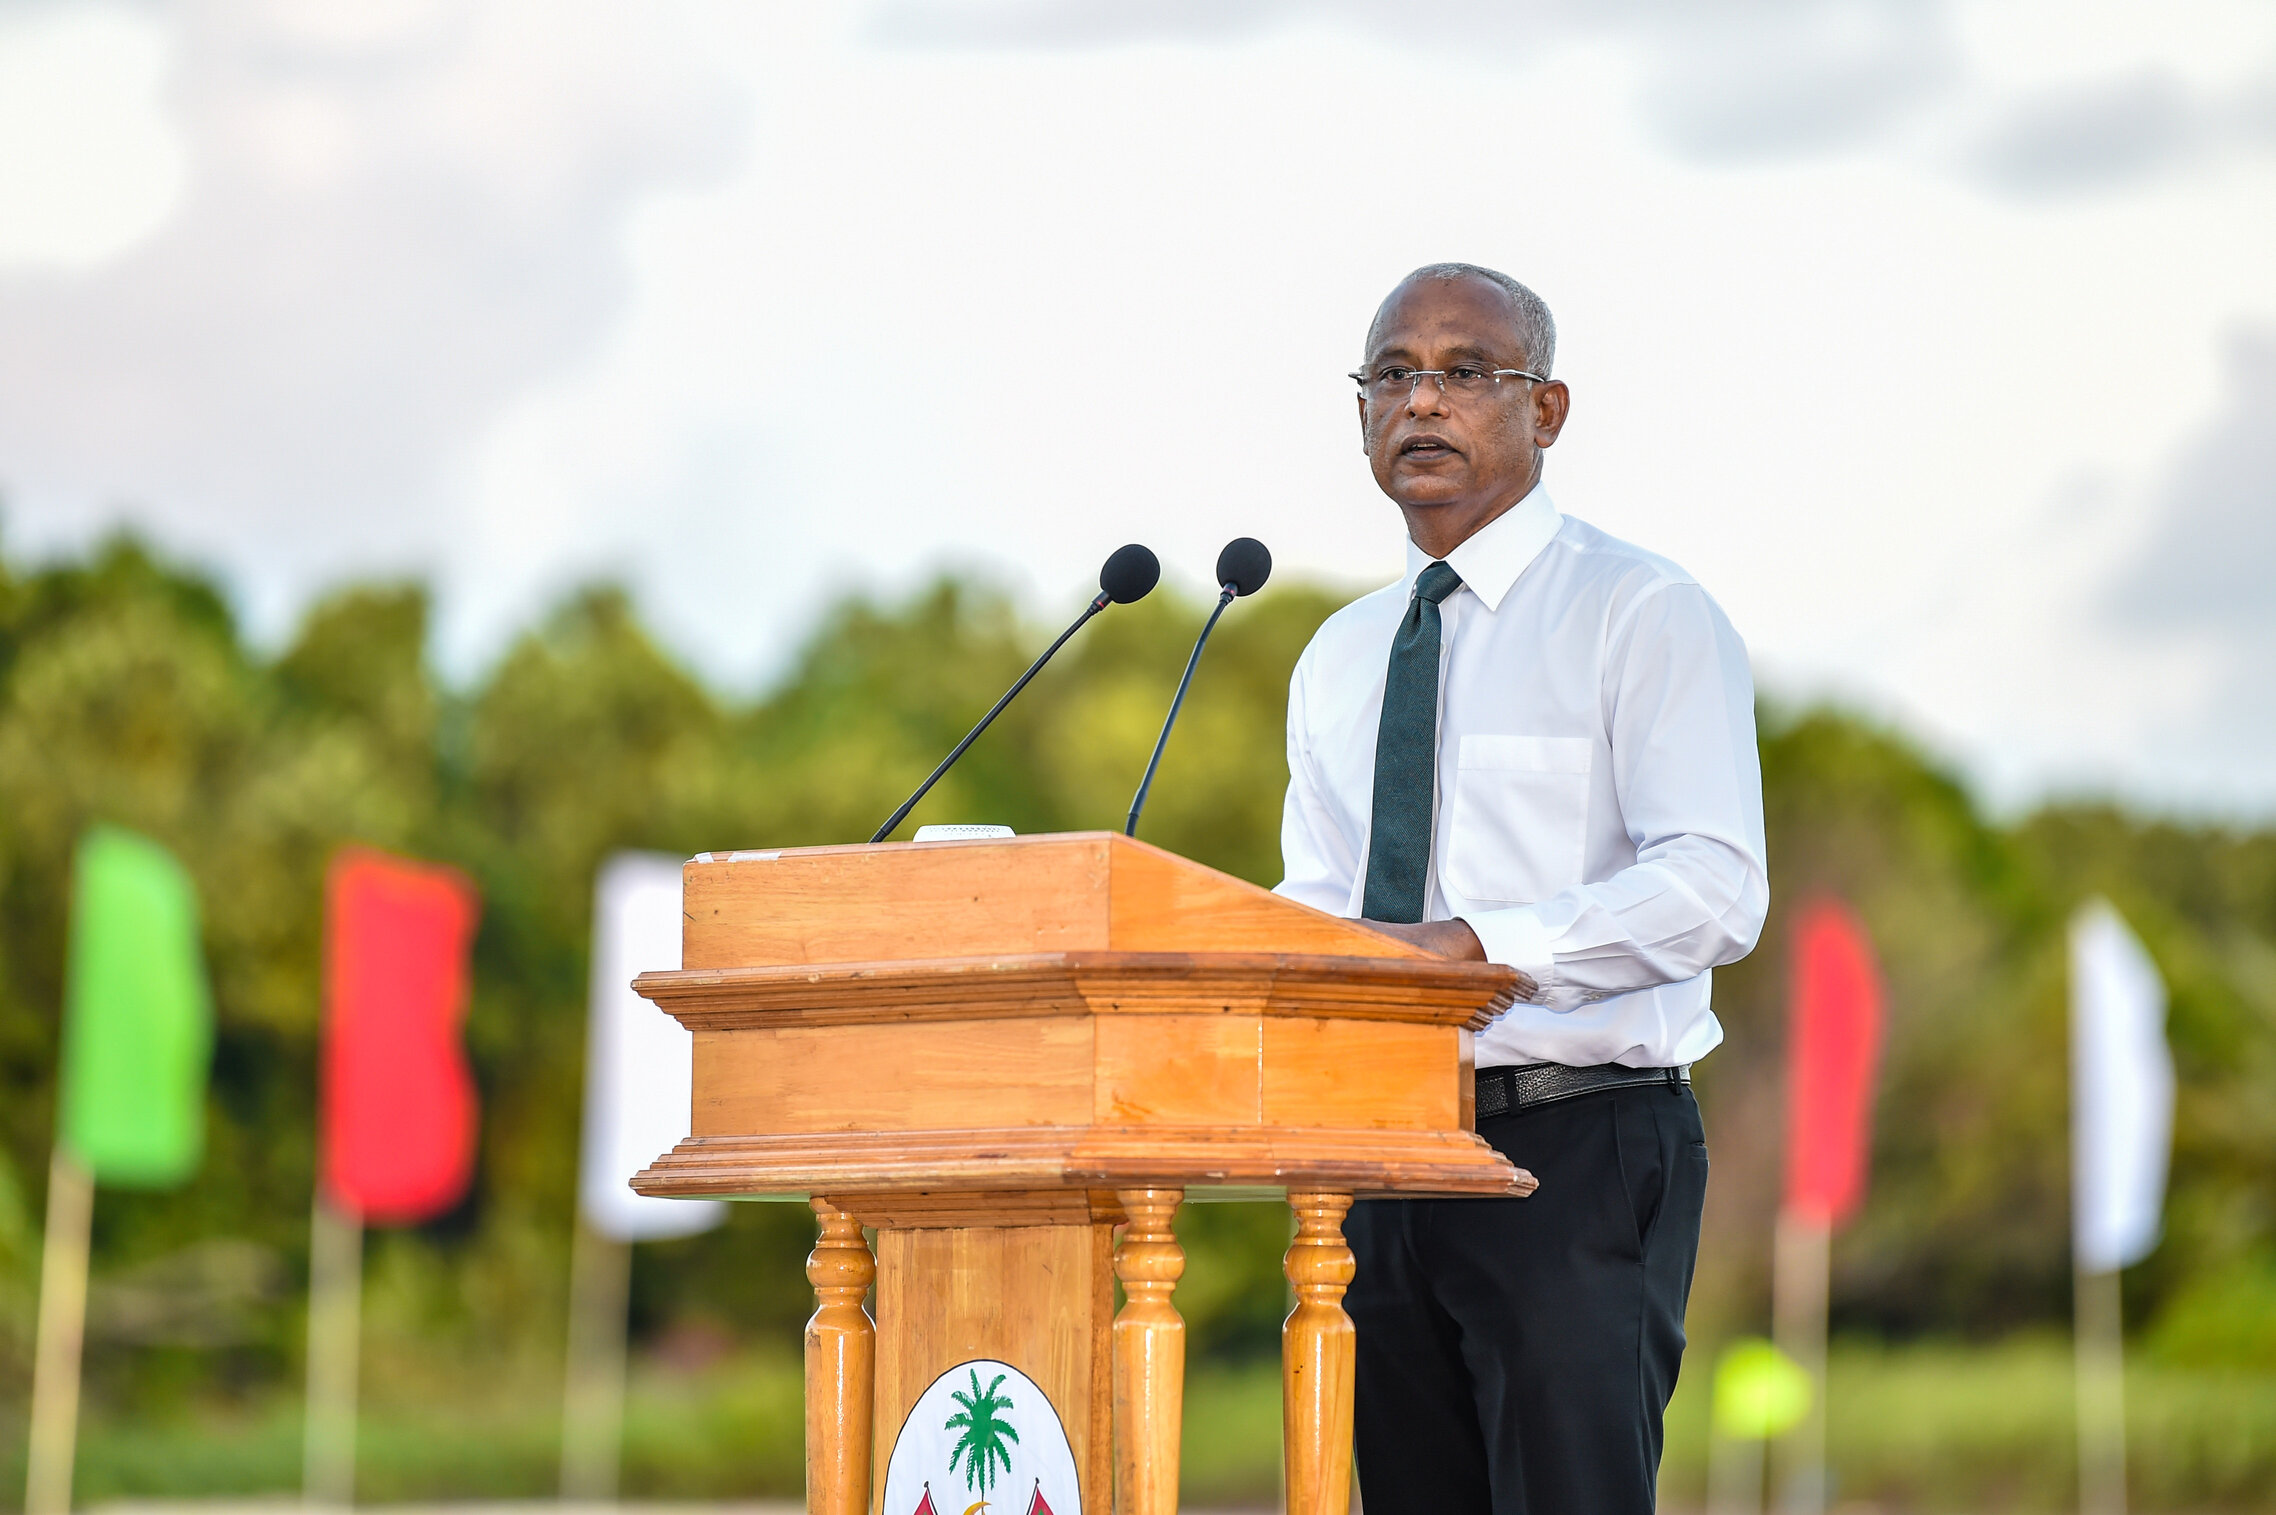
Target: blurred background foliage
(127, 694)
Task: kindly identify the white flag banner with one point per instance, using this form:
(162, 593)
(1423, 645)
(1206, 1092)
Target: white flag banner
(2121, 1093)
(639, 1062)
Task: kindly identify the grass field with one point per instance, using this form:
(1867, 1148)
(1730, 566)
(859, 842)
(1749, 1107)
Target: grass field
(1919, 1427)
(1940, 1426)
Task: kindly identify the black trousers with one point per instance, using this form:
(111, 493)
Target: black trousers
(1516, 1355)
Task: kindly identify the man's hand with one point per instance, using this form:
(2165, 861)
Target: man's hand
(1452, 939)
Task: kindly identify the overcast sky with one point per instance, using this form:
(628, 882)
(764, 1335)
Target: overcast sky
(1937, 339)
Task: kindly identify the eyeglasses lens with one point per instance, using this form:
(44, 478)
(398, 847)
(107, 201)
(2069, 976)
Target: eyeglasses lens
(1393, 384)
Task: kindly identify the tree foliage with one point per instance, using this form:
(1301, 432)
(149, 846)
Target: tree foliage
(127, 694)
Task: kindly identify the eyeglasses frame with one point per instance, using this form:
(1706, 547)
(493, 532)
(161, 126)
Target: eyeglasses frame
(1417, 375)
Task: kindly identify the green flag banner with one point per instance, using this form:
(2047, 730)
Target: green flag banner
(137, 1021)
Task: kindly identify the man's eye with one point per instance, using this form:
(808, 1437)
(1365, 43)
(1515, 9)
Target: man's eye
(1393, 375)
(1467, 373)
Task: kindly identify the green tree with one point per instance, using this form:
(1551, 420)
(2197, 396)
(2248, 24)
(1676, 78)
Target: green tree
(128, 695)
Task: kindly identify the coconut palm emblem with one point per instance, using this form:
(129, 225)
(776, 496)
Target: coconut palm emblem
(985, 1432)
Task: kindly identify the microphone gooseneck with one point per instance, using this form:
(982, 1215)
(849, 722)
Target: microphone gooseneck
(1129, 574)
(1242, 568)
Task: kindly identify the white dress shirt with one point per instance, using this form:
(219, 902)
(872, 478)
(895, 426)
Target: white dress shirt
(1598, 817)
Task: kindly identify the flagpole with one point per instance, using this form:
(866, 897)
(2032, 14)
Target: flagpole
(335, 1329)
(1734, 1474)
(130, 1100)
(592, 1410)
(62, 1332)
(2122, 1091)
(1833, 1053)
(1801, 1282)
(2098, 1348)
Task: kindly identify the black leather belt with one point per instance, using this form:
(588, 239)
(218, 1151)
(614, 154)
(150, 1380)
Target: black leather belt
(1501, 1090)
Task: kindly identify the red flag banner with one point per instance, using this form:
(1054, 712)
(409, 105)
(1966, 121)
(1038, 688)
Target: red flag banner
(1036, 1504)
(1833, 1050)
(398, 1099)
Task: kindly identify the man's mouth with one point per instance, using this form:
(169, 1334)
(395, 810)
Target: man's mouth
(1426, 446)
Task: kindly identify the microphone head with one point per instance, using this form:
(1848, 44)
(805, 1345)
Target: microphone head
(1244, 565)
(1130, 574)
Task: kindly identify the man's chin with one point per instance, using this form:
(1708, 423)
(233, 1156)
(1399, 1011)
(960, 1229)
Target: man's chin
(1427, 493)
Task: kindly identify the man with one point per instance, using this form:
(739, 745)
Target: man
(1536, 749)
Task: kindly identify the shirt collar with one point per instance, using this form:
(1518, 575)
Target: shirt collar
(1493, 557)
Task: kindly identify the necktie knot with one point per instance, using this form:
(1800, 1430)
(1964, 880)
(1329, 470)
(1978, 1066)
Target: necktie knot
(1437, 582)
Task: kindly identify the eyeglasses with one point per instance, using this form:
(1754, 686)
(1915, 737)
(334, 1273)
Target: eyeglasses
(1464, 381)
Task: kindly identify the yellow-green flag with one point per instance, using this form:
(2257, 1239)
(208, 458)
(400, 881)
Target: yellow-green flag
(137, 1021)
(1760, 1392)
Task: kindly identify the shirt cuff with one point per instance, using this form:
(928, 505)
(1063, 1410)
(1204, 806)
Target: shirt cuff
(1516, 938)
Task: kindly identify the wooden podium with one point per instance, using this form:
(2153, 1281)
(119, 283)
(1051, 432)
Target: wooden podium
(1004, 1055)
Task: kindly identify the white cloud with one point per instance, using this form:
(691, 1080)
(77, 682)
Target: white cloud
(737, 305)
(401, 218)
(2091, 135)
(2196, 587)
(90, 164)
(1719, 78)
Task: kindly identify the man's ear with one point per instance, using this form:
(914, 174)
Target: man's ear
(1552, 403)
(1362, 399)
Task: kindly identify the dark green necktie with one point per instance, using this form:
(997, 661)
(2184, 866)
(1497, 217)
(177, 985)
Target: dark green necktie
(1406, 759)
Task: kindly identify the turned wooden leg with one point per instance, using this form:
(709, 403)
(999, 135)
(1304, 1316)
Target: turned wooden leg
(1317, 1348)
(841, 1368)
(1149, 1356)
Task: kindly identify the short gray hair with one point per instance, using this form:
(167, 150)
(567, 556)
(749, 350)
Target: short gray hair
(1536, 328)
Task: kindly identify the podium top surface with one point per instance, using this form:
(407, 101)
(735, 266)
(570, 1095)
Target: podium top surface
(1079, 891)
(1057, 1015)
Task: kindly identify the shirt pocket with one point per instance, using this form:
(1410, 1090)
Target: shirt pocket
(1520, 825)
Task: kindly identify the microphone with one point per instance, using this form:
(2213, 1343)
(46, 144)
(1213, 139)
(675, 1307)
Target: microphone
(1129, 574)
(1242, 568)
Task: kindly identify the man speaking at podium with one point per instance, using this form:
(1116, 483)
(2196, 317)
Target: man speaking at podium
(1537, 748)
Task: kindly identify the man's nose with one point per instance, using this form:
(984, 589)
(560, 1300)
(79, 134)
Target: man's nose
(1428, 397)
